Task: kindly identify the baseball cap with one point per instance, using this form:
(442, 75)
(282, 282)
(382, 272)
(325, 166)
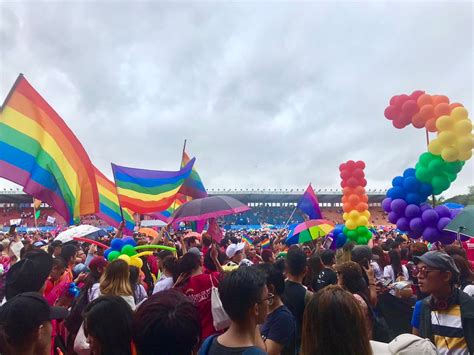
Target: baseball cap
(27, 311)
(195, 250)
(246, 262)
(28, 274)
(39, 244)
(361, 252)
(232, 249)
(409, 344)
(438, 260)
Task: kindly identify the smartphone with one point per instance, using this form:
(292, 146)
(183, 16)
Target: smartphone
(327, 242)
(386, 283)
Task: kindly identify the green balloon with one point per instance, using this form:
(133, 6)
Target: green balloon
(361, 230)
(114, 254)
(453, 167)
(425, 159)
(362, 240)
(451, 177)
(436, 165)
(352, 234)
(129, 250)
(423, 174)
(440, 183)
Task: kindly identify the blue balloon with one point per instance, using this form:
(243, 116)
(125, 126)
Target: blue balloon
(116, 244)
(396, 192)
(340, 240)
(129, 241)
(106, 253)
(413, 198)
(411, 184)
(425, 190)
(409, 172)
(397, 181)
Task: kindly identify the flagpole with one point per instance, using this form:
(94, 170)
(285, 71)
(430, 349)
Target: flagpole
(34, 211)
(182, 156)
(427, 144)
(115, 183)
(292, 213)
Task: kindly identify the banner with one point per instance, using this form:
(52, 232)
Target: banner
(15, 221)
(50, 220)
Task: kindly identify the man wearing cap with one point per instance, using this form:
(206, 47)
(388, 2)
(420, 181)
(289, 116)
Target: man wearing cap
(25, 322)
(446, 317)
(235, 254)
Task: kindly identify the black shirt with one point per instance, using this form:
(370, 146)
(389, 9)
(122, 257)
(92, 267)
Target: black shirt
(325, 278)
(294, 299)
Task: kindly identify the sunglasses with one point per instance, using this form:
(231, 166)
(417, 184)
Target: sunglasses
(424, 271)
(269, 297)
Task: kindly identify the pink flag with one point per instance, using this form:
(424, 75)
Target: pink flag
(214, 230)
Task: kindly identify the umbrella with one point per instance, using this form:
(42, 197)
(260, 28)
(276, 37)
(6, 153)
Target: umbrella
(149, 232)
(463, 223)
(207, 207)
(309, 230)
(192, 234)
(84, 230)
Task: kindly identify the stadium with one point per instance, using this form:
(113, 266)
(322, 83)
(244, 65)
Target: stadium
(269, 206)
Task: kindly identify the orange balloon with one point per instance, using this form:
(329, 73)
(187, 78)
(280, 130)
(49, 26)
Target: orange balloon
(442, 109)
(347, 208)
(427, 112)
(344, 199)
(439, 99)
(364, 198)
(359, 190)
(431, 125)
(454, 105)
(418, 121)
(347, 190)
(362, 206)
(424, 100)
(353, 199)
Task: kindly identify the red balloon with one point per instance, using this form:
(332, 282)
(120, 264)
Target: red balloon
(393, 100)
(416, 94)
(391, 112)
(363, 182)
(343, 183)
(359, 190)
(410, 107)
(350, 165)
(360, 164)
(358, 173)
(342, 167)
(398, 124)
(454, 105)
(352, 182)
(345, 174)
(401, 99)
(418, 121)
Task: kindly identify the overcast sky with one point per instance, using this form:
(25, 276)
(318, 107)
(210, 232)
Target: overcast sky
(268, 94)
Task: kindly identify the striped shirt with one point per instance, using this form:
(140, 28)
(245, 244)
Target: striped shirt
(447, 331)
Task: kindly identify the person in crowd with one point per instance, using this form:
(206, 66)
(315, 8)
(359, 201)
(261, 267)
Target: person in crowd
(139, 293)
(68, 253)
(28, 274)
(115, 281)
(315, 266)
(162, 254)
(235, 254)
(334, 324)
(245, 297)
(25, 324)
(327, 276)
(378, 262)
(209, 264)
(169, 269)
(108, 326)
(296, 295)
(279, 329)
(167, 324)
(267, 256)
(55, 285)
(350, 278)
(206, 242)
(466, 275)
(446, 316)
(54, 248)
(395, 271)
(252, 255)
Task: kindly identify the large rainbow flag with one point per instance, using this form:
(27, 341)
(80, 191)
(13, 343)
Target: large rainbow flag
(39, 152)
(147, 191)
(109, 207)
(193, 186)
(166, 214)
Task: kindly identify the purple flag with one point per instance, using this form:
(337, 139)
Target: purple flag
(309, 204)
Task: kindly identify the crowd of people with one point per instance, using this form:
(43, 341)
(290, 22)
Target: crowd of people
(236, 296)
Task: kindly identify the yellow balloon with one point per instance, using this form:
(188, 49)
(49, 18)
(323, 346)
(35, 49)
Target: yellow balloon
(137, 262)
(435, 147)
(444, 123)
(459, 113)
(464, 143)
(350, 224)
(450, 154)
(366, 214)
(362, 221)
(463, 127)
(125, 258)
(345, 216)
(446, 138)
(465, 155)
(354, 214)
(143, 253)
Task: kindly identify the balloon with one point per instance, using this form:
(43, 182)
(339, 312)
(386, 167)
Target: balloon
(430, 217)
(430, 234)
(442, 211)
(398, 181)
(137, 262)
(350, 224)
(386, 204)
(403, 224)
(416, 225)
(398, 206)
(116, 244)
(106, 253)
(440, 183)
(125, 258)
(392, 217)
(443, 222)
(130, 241)
(129, 250)
(114, 254)
(414, 198)
(362, 206)
(341, 240)
(353, 215)
(412, 211)
(362, 221)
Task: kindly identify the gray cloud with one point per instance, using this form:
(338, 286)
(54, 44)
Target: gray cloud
(268, 94)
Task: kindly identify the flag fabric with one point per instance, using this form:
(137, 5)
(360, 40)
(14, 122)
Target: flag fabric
(39, 152)
(265, 244)
(166, 214)
(309, 204)
(36, 203)
(147, 191)
(37, 214)
(214, 230)
(16, 222)
(247, 239)
(192, 186)
(109, 207)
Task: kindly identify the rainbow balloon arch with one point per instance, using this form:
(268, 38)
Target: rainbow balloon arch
(436, 169)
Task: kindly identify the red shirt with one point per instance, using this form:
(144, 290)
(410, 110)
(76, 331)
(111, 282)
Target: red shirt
(198, 289)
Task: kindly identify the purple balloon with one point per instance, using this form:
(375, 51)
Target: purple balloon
(403, 224)
(386, 204)
(417, 225)
(430, 234)
(424, 207)
(443, 222)
(412, 211)
(414, 234)
(454, 213)
(398, 206)
(447, 238)
(430, 217)
(442, 211)
(392, 217)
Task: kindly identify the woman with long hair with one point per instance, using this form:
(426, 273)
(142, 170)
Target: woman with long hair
(327, 325)
(115, 281)
(315, 266)
(466, 276)
(395, 270)
(108, 326)
(378, 262)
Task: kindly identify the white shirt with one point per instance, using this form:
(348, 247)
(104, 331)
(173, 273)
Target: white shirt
(469, 289)
(389, 274)
(164, 284)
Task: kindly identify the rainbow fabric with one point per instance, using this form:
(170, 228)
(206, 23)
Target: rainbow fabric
(247, 239)
(164, 215)
(265, 243)
(193, 186)
(39, 152)
(147, 191)
(109, 207)
(309, 204)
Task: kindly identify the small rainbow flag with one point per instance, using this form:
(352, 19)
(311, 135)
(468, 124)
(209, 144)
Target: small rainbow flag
(247, 239)
(109, 207)
(265, 244)
(147, 191)
(192, 186)
(39, 152)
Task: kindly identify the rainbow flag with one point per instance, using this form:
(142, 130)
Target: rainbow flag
(247, 239)
(265, 244)
(109, 207)
(147, 191)
(164, 215)
(309, 204)
(39, 152)
(193, 186)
